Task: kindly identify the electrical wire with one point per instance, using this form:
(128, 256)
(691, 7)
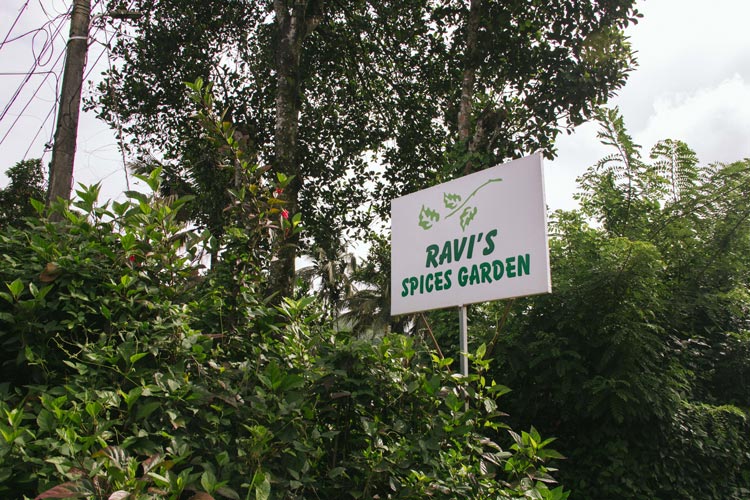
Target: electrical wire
(43, 52)
(18, 17)
(47, 45)
(2, 73)
(35, 30)
(29, 101)
(39, 131)
(118, 126)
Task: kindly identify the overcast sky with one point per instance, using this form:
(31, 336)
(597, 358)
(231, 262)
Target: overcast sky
(692, 84)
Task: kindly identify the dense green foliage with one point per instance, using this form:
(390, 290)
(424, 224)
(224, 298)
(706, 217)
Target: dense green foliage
(638, 359)
(26, 182)
(130, 371)
(131, 368)
(376, 80)
(120, 376)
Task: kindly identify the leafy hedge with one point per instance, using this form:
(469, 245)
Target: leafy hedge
(130, 372)
(638, 361)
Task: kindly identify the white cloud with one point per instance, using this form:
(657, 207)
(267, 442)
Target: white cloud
(683, 46)
(576, 153)
(714, 121)
(692, 83)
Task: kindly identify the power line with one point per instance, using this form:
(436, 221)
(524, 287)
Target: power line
(39, 131)
(44, 52)
(24, 73)
(33, 31)
(29, 101)
(48, 43)
(20, 12)
(41, 5)
(118, 122)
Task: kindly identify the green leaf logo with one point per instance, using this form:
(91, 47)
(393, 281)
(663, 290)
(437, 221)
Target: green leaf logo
(451, 201)
(427, 217)
(454, 203)
(467, 216)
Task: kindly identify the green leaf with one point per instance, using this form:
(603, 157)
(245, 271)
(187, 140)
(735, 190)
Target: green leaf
(516, 437)
(159, 479)
(15, 288)
(15, 416)
(38, 206)
(451, 201)
(132, 396)
(263, 486)
(427, 217)
(227, 492)
(335, 472)
(550, 454)
(147, 409)
(498, 390)
(136, 357)
(481, 351)
(93, 408)
(137, 195)
(467, 216)
(208, 480)
(46, 421)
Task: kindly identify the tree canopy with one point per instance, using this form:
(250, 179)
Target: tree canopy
(360, 101)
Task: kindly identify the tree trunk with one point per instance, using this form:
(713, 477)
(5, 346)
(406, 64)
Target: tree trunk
(295, 20)
(469, 76)
(64, 149)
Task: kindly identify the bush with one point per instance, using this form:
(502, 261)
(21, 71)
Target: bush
(131, 372)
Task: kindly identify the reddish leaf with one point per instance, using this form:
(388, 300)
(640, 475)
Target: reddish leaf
(151, 462)
(201, 495)
(65, 490)
(49, 274)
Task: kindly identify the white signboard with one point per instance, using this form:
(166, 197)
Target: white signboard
(478, 238)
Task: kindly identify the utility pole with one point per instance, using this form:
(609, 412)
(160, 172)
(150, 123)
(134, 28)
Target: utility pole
(64, 148)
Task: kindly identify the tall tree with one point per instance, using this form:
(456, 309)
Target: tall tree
(328, 90)
(295, 20)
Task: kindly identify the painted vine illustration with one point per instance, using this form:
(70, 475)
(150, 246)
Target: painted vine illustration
(428, 217)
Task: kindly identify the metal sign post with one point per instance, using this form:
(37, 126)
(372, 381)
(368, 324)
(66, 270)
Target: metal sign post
(463, 340)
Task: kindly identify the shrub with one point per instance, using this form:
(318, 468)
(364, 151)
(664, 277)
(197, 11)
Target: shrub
(126, 378)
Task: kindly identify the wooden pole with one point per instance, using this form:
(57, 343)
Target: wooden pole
(66, 132)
